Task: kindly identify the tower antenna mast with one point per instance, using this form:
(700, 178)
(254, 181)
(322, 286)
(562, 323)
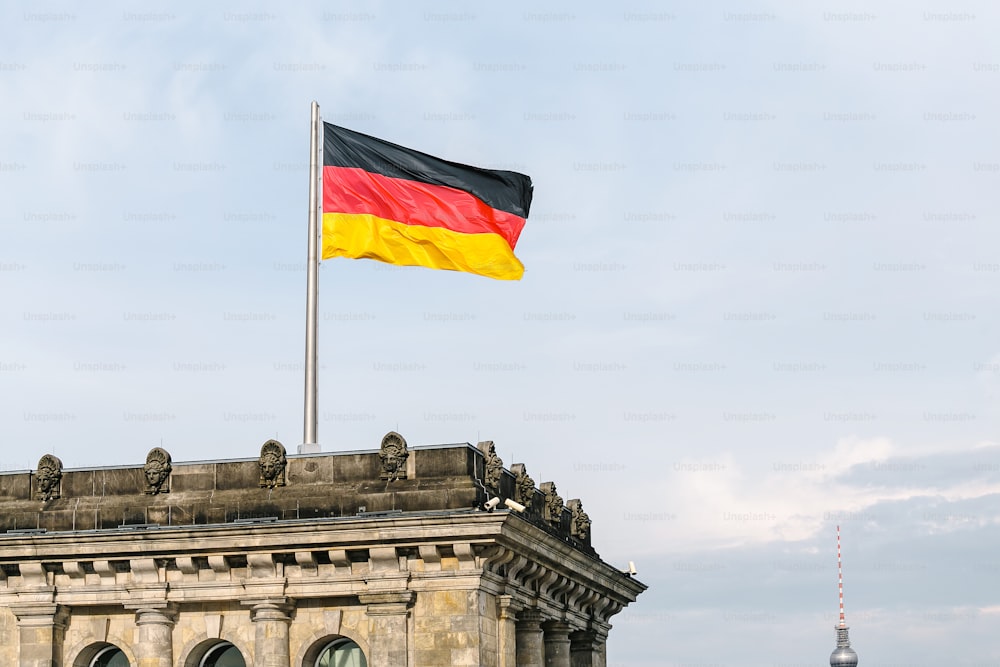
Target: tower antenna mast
(843, 655)
(840, 580)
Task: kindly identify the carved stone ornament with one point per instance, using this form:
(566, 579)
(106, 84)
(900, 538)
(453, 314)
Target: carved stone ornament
(272, 464)
(48, 476)
(393, 455)
(579, 525)
(494, 466)
(524, 486)
(157, 471)
(552, 511)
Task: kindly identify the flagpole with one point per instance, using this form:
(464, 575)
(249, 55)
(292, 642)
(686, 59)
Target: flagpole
(310, 427)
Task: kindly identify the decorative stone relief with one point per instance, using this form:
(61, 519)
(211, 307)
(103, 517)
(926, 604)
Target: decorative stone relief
(48, 476)
(552, 511)
(524, 486)
(579, 525)
(494, 466)
(393, 455)
(272, 464)
(157, 471)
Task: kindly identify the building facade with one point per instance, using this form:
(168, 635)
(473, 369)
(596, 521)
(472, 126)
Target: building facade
(396, 557)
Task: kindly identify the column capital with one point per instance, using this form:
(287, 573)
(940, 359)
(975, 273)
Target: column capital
(507, 608)
(270, 609)
(586, 640)
(40, 614)
(583, 636)
(530, 618)
(387, 603)
(556, 626)
(156, 613)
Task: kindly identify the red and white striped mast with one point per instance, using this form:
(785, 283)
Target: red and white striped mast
(840, 580)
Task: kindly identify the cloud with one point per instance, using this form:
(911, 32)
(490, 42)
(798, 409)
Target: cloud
(721, 502)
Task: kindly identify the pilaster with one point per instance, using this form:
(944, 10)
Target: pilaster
(41, 628)
(388, 627)
(507, 631)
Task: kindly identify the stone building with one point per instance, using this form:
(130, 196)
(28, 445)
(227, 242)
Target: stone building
(434, 555)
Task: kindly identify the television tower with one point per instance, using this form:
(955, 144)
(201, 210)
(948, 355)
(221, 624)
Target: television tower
(843, 655)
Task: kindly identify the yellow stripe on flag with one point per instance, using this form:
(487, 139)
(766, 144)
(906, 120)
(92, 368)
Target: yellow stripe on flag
(364, 236)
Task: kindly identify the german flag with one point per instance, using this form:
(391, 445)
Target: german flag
(397, 205)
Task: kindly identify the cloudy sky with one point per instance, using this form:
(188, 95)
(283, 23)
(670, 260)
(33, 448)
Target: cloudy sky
(758, 302)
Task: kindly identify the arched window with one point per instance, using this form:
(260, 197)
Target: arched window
(110, 656)
(341, 653)
(223, 655)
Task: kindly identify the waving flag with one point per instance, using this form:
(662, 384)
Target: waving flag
(400, 206)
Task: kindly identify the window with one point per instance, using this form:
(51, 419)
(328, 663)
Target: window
(341, 653)
(110, 656)
(223, 655)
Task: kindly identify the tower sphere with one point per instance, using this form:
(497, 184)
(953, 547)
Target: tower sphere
(843, 656)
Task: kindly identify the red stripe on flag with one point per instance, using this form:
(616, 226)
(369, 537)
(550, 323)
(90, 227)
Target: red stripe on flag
(352, 190)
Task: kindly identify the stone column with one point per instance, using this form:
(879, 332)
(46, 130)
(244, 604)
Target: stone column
(556, 644)
(506, 631)
(530, 650)
(155, 647)
(586, 649)
(388, 628)
(41, 627)
(271, 619)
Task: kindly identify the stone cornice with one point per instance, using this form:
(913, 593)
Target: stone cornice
(540, 548)
(352, 558)
(410, 529)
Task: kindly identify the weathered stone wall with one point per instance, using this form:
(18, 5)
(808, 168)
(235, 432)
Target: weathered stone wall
(8, 637)
(454, 628)
(489, 649)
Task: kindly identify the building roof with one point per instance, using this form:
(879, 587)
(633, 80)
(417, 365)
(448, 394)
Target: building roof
(427, 480)
(350, 519)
